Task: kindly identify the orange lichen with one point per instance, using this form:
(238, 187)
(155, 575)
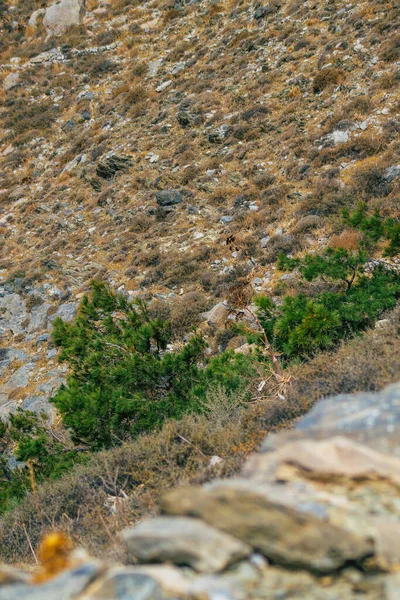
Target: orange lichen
(54, 555)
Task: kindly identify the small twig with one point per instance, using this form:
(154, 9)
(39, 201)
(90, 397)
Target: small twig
(124, 350)
(106, 528)
(29, 543)
(190, 444)
(268, 347)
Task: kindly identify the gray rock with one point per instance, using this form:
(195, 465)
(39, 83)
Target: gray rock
(66, 312)
(68, 125)
(226, 219)
(125, 585)
(85, 96)
(184, 541)
(65, 587)
(217, 315)
(43, 338)
(11, 81)
(51, 385)
(62, 14)
(392, 173)
(340, 137)
(19, 379)
(12, 313)
(372, 419)
(257, 281)
(38, 318)
(263, 11)
(219, 134)
(39, 404)
(168, 198)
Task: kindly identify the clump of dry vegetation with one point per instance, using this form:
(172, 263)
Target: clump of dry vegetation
(327, 77)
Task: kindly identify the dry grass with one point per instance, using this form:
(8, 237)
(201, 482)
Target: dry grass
(119, 487)
(327, 77)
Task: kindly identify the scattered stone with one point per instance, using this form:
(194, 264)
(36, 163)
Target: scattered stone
(163, 86)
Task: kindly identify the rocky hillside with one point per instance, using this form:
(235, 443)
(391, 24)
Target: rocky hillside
(199, 240)
(314, 515)
(137, 137)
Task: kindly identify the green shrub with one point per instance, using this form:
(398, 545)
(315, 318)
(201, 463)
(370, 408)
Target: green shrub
(304, 324)
(48, 455)
(375, 227)
(122, 380)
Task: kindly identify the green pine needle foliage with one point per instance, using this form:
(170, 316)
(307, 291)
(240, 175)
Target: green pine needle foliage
(123, 380)
(376, 228)
(302, 325)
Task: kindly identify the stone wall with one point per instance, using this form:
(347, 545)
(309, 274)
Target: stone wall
(314, 515)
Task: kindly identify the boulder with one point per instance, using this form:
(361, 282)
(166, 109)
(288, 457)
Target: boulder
(19, 379)
(62, 14)
(372, 419)
(11, 81)
(167, 198)
(217, 315)
(12, 313)
(184, 541)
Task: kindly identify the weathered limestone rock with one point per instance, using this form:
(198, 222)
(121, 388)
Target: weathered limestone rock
(217, 315)
(367, 418)
(334, 457)
(19, 379)
(11, 81)
(184, 541)
(286, 534)
(12, 313)
(350, 485)
(61, 15)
